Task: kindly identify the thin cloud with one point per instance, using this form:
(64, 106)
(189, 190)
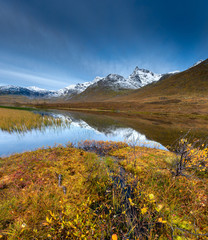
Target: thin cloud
(30, 79)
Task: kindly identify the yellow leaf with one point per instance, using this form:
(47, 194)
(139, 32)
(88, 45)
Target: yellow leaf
(151, 196)
(49, 220)
(23, 225)
(45, 224)
(144, 210)
(114, 237)
(131, 203)
(159, 207)
(161, 220)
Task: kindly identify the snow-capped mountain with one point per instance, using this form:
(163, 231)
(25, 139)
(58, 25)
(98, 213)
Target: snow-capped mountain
(73, 90)
(114, 81)
(37, 89)
(33, 91)
(25, 91)
(139, 78)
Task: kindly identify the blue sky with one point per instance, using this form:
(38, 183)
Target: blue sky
(52, 44)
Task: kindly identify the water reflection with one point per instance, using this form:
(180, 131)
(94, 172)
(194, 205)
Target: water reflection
(82, 127)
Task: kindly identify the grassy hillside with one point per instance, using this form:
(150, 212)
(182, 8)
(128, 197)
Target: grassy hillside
(98, 93)
(192, 82)
(184, 94)
(14, 100)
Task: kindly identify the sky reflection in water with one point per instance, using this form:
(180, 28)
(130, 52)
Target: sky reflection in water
(78, 130)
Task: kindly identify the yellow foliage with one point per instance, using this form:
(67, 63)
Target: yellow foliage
(94, 204)
(114, 237)
(131, 203)
(144, 210)
(161, 220)
(151, 196)
(159, 207)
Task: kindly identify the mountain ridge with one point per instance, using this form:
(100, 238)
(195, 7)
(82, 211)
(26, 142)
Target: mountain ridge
(114, 84)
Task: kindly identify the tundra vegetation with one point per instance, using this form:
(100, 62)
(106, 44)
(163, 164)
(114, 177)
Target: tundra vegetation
(104, 190)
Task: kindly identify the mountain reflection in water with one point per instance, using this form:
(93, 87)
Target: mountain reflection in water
(82, 127)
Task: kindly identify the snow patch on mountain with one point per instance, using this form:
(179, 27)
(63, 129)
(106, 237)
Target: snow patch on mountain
(97, 79)
(141, 77)
(75, 88)
(197, 63)
(113, 81)
(174, 72)
(7, 87)
(72, 89)
(31, 92)
(37, 89)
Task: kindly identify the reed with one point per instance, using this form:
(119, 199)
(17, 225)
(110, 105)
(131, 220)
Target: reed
(12, 120)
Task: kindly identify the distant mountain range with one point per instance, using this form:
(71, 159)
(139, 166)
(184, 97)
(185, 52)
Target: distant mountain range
(113, 82)
(33, 92)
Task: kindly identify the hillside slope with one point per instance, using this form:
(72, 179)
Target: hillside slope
(189, 83)
(192, 82)
(108, 87)
(180, 93)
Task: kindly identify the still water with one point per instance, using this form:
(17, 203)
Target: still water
(82, 127)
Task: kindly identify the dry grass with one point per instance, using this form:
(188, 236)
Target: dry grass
(12, 120)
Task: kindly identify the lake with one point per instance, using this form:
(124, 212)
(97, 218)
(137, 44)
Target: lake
(82, 127)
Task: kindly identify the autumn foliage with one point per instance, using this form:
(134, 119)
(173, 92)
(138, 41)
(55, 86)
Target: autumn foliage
(109, 190)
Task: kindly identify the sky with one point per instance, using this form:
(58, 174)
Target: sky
(52, 44)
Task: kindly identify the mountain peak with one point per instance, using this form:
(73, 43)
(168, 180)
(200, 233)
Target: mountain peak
(97, 79)
(114, 75)
(141, 77)
(137, 69)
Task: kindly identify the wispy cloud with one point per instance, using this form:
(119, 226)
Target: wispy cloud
(28, 79)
